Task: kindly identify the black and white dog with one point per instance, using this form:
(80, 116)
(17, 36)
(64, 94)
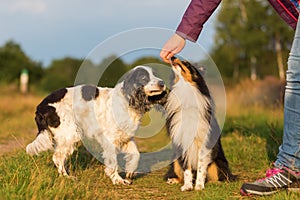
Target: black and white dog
(194, 130)
(111, 116)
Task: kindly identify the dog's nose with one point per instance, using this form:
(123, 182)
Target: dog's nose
(161, 83)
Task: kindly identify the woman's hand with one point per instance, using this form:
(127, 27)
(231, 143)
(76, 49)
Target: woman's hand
(173, 46)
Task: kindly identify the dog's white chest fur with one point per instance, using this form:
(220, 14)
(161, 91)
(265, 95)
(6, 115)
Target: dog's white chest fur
(189, 127)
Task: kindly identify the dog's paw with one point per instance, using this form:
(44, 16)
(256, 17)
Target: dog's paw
(172, 181)
(122, 182)
(187, 187)
(199, 187)
(127, 182)
(73, 178)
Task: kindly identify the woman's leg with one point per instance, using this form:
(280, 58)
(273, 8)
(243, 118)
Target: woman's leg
(289, 151)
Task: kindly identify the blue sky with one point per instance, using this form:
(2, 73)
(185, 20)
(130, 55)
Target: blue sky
(53, 29)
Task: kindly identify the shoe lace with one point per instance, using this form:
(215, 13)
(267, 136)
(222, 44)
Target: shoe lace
(270, 173)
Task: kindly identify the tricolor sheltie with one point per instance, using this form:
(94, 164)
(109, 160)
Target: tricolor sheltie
(194, 131)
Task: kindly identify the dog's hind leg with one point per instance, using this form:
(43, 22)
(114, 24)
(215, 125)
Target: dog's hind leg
(61, 152)
(132, 157)
(175, 173)
(59, 159)
(224, 173)
(65, 138)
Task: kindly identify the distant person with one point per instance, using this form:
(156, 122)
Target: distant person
(286, 171)
(24, 79)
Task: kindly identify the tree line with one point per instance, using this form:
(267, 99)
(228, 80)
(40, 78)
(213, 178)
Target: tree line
(251, 40)
(61, 72)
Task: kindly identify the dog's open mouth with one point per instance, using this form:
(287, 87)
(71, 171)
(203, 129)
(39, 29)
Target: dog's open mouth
(159, 97)
(154, 92)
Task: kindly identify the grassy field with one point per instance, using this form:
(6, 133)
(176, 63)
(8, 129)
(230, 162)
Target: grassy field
(250, 138)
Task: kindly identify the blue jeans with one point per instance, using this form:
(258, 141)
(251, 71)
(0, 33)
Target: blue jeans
(289, 151)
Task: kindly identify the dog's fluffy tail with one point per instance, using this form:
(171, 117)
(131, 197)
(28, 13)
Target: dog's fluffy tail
(42, 142)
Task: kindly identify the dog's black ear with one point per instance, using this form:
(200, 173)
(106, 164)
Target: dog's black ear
(136, 79)
(128, 85)
(133, 89)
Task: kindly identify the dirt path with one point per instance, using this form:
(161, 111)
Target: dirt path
(11, 146)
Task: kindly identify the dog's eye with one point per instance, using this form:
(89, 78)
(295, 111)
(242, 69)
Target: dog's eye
(143, 77)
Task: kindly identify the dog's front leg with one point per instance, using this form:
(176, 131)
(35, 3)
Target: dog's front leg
(115, 177)
(111, 166)
(132, 157)
(202, 171)
(188, 179)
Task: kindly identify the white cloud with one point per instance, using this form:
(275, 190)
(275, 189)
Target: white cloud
(27, 6)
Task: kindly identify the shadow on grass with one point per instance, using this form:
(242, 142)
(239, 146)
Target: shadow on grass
(82, 159)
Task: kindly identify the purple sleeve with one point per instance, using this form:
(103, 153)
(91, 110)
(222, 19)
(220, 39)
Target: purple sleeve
(287, 11)
(194, 17)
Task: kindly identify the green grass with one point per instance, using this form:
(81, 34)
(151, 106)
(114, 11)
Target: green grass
(250, 139)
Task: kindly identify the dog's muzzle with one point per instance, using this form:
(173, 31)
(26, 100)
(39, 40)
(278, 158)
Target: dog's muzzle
(155, 87)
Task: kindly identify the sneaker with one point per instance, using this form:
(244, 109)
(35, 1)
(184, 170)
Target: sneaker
(276, 180)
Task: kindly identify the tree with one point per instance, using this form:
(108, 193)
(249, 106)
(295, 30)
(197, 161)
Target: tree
(251, 39)
(114, 68)
(13, 60)
(61, 73)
